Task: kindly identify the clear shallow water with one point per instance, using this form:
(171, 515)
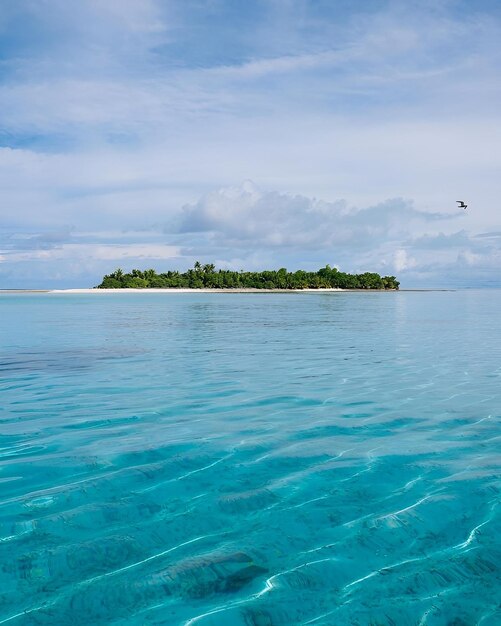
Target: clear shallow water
(250, 459)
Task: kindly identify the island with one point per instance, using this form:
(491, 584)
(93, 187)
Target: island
(207, 277)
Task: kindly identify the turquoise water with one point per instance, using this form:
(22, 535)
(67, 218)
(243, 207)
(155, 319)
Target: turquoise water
(250, 459)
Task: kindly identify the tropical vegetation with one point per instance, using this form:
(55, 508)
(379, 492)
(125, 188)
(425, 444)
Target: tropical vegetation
(206, 276)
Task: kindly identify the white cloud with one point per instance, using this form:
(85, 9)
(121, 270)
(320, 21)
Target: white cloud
(392, 237)
(402, 261)
(248, 228)
(96, 252)
(277, 219)
(470, 258)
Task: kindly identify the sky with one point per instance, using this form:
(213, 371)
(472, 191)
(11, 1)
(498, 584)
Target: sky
(253, 135)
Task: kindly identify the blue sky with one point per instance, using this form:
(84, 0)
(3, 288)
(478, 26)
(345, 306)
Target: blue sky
(151, 133)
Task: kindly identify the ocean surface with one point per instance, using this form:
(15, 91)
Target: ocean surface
(250, 459)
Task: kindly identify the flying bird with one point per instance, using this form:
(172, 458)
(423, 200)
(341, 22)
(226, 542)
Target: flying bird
(462, 205)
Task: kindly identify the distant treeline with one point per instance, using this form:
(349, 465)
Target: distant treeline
(206, 276)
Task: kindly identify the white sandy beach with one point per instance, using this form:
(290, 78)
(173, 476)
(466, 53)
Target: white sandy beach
(186, 290)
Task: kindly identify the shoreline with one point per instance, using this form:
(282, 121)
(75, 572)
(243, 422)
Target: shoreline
(187, 290)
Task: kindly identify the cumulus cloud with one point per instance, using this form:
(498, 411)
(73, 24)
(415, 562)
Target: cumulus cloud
(246, 227)
(279, 219)
(402, 260)
(391, 237)
(457, 259)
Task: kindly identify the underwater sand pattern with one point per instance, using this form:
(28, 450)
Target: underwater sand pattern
(242, 460)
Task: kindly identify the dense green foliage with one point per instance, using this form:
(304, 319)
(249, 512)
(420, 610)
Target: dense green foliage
(206, 276)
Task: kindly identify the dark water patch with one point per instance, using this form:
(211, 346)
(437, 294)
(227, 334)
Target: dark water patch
(100, 423)
(210, 574)
(321, 432)
(246, 502)
(62, 360)
(359, 403)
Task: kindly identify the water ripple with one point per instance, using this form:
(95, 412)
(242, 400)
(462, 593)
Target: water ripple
(218, 460)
